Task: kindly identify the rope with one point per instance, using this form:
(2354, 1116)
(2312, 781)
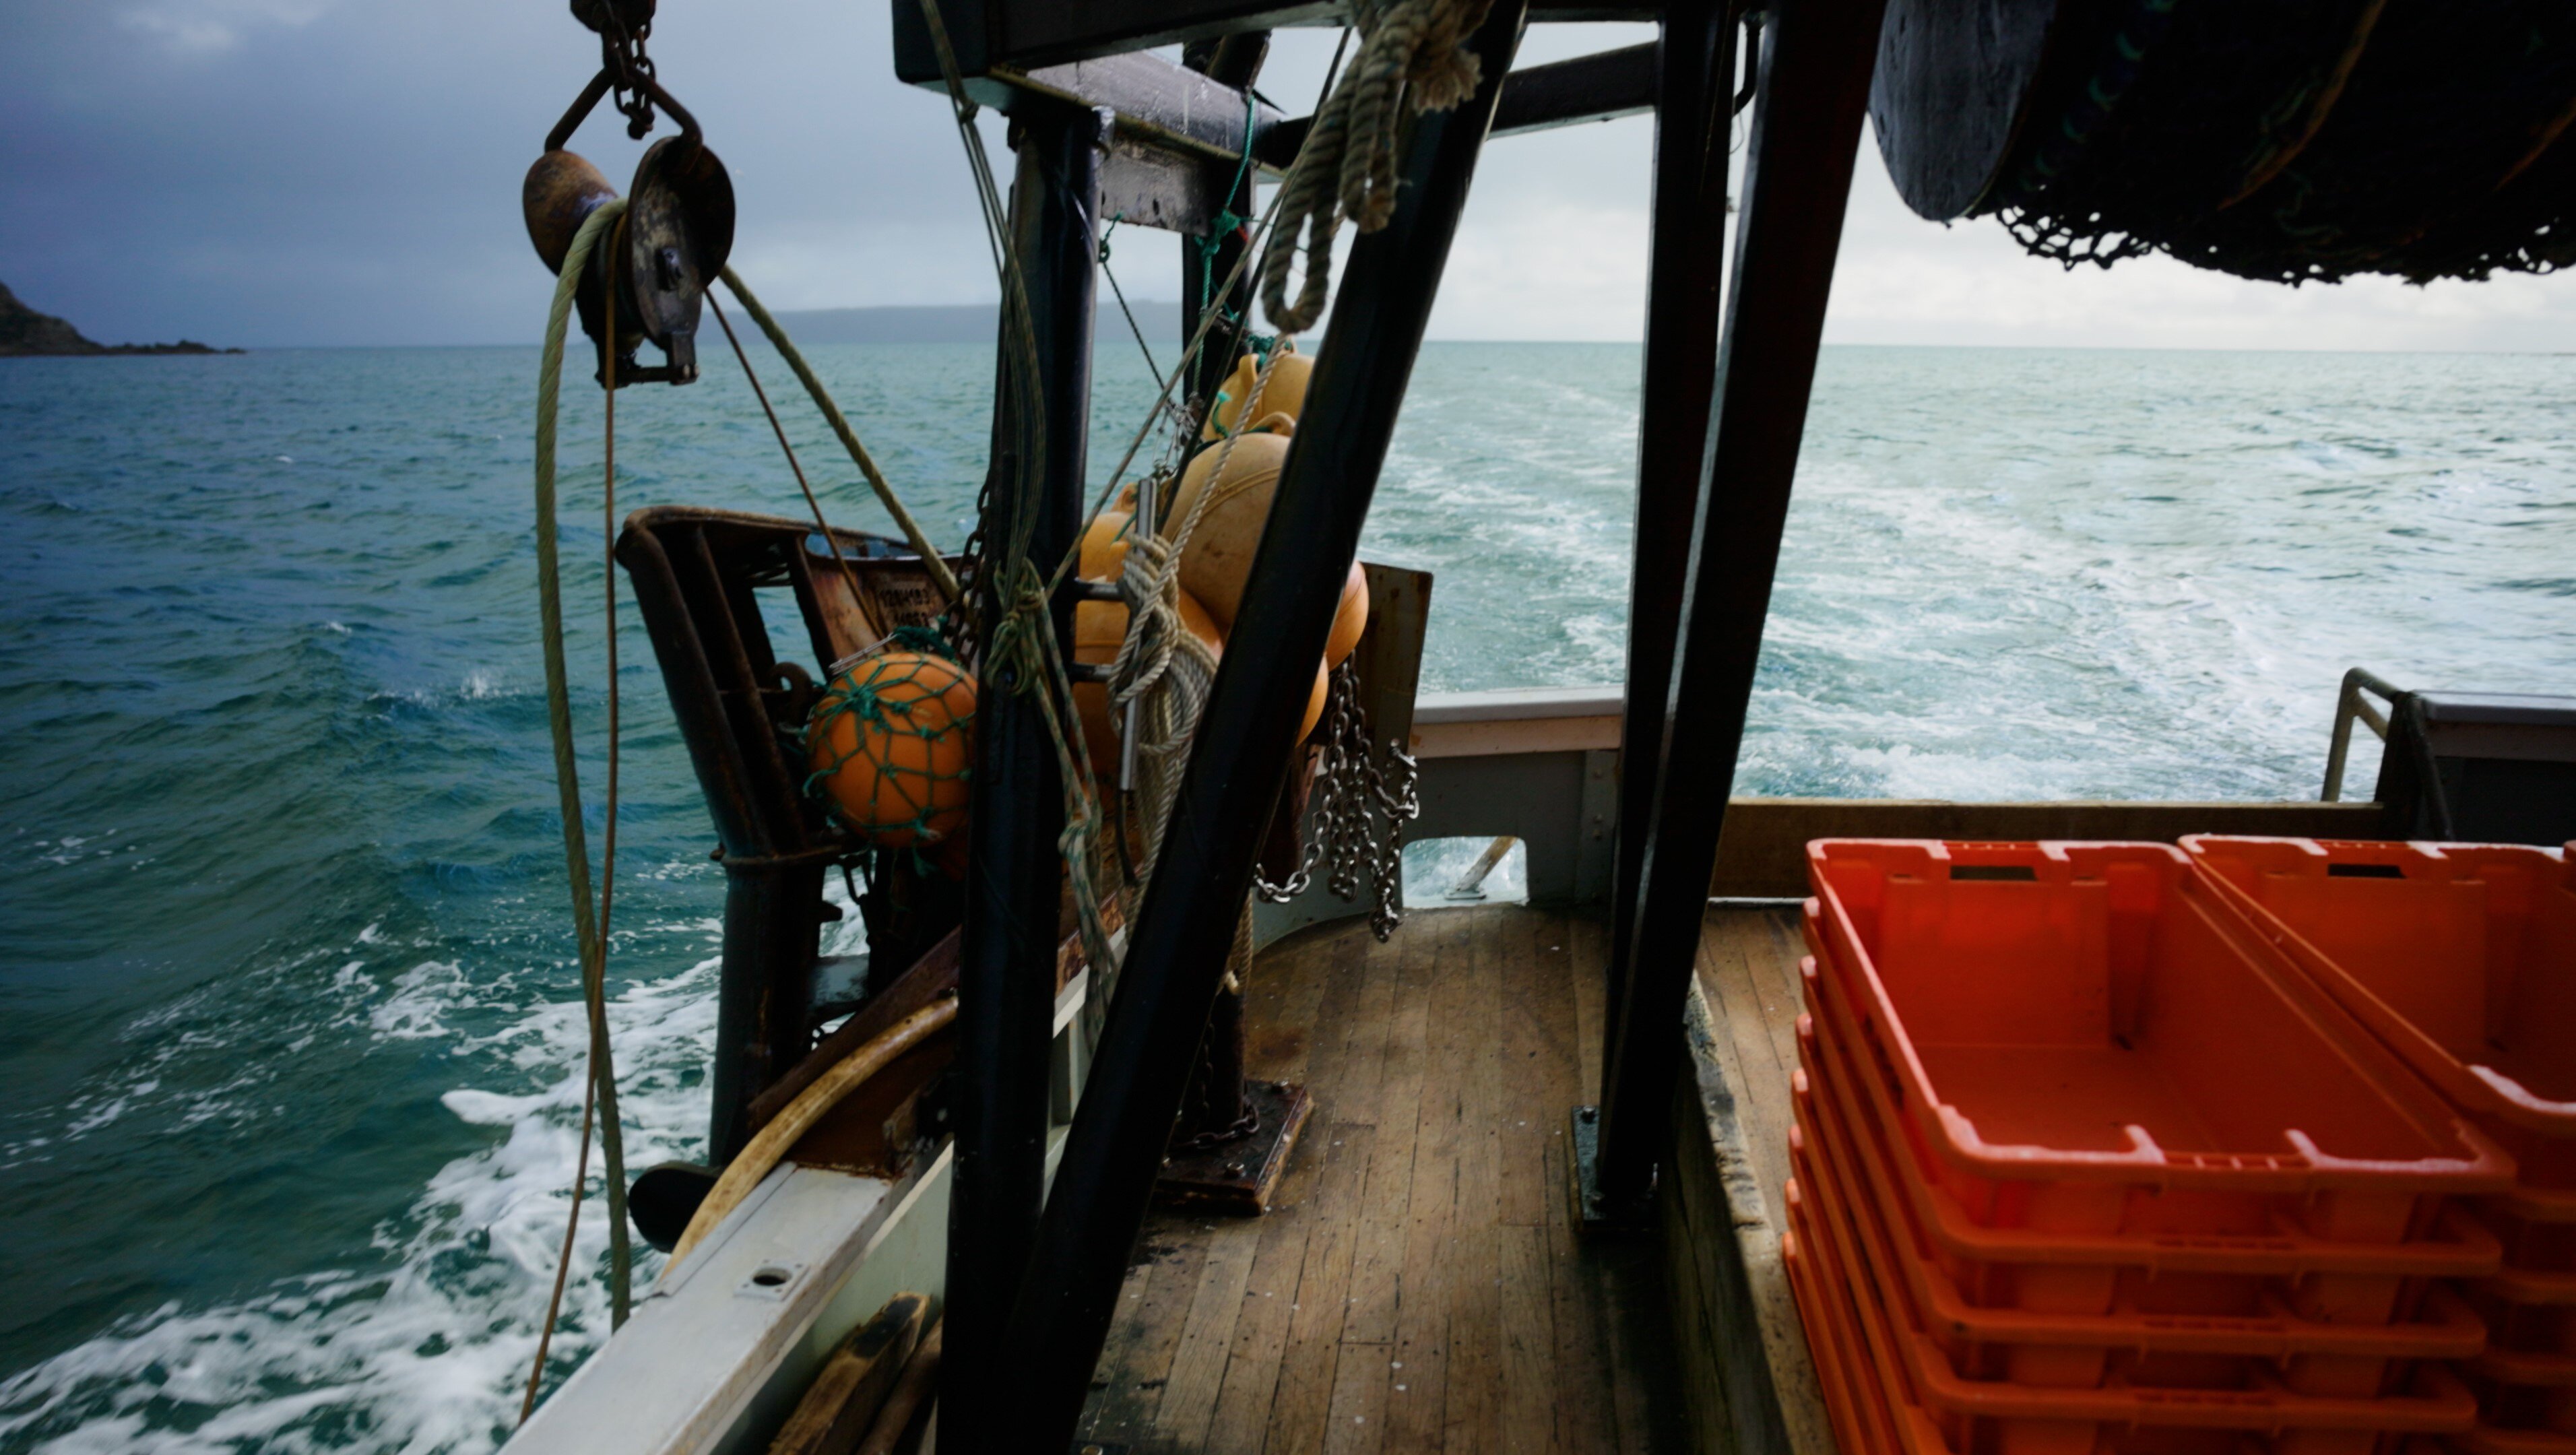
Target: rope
(931, 560)
(849, 575)
(563, 1260)
(1413, 57)
(765, 1151)
(589, 928)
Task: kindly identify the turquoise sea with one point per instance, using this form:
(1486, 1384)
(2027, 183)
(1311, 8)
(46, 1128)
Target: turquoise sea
(287, 1004)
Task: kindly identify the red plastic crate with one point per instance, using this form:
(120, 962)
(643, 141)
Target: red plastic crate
(2183, 1350)
(2000, 1418)
(2460, 957)
(2069, 1026)
(2163, 1269)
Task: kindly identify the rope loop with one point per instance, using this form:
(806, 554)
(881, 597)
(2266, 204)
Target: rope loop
(1413, 57)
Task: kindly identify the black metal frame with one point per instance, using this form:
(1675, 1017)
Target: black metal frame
(1239, 762)
(694, 572)
(1695, 65)
(1814, 89)
(1031, 1291)
(1006, 981)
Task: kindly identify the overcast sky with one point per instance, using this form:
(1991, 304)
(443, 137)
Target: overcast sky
(277, 172)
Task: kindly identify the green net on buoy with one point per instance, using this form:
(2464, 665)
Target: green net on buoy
(891, 742)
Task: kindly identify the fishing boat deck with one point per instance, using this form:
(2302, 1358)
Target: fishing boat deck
(1417, 1285)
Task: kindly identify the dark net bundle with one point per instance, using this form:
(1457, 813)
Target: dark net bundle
(2451, 98)
(2304, 140)
(2528, 226)
(2161, 112)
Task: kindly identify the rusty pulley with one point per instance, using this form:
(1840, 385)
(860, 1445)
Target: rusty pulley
(678, 227)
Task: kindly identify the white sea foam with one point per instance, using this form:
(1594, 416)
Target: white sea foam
(427, 1351)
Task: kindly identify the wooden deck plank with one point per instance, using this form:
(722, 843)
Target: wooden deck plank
(1241, 1423)
(1419, 1285)
(1136, 1363)
(1199, 1360)
(1471, 1411)
(1377, 1262)
(1587, 1418)
(1759, 1391)
(1527, 1408)
(1298, 1412)
(1750, 1054)
(1523, 970)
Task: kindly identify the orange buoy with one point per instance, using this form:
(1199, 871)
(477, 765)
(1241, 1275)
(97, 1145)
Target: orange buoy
(1315, 701)
(1284, 394)
(1098, 628)
(1349, 619)
(1218, 554)
(891, 742)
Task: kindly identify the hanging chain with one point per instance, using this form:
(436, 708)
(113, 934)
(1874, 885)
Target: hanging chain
(1353, 795)
(624, 26)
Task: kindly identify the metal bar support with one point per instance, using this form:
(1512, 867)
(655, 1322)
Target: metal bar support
(1816, 63)
(1685, 307)
(2350, 704)
(1006, 976)
(1239, 763)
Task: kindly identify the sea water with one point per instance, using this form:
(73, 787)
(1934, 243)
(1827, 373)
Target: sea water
(288, 1008)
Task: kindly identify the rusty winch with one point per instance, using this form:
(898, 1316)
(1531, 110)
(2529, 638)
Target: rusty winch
(652, 276)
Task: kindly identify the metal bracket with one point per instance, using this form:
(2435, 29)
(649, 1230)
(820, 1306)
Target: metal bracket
(1594, 1213)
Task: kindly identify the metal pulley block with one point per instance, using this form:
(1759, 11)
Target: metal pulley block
(647, 282)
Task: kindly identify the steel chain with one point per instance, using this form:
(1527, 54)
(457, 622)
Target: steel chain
(1352, 794)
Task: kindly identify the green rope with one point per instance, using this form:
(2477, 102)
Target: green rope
(594, 950)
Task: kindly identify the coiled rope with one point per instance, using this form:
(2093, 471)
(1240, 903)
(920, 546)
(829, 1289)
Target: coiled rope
(1413, 57)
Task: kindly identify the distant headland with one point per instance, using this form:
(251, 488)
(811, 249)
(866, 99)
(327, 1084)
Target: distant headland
(953, 323)
(25, 332)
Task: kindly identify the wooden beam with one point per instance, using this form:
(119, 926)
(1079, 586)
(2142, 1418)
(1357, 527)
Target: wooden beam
(1598, 87)
(1025, 33)
(1763, 853)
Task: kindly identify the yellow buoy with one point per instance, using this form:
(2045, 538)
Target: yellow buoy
(1218, 553)
(891, 742)
(1349, 619)
(1284, 394)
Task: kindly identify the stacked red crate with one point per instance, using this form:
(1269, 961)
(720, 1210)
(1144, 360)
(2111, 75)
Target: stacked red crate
(2081, 1166)
(2461, 959)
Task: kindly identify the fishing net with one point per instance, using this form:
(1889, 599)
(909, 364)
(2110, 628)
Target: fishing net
(2302, 141)
(891, 740)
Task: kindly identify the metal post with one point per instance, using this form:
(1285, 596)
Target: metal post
(1014, 886)
(1240, 762)
(1694, 109)
(1816, 66)
(1233, 60)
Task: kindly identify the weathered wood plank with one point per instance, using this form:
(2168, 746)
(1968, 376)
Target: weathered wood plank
(1137, 1361)
(1763, 851)
(1199, 1361)
(1586, 1419)
(1748, 1382)
(1241, 1424)
(1304, 1400)
(1377, 1264)
(1526, 1407)
(1419, 1285)
(1749, 1054)
(1471, 1417)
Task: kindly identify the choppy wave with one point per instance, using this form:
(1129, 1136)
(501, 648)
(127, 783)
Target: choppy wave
(287, 1000)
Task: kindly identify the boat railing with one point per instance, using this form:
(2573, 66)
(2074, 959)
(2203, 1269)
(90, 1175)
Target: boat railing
(2350, 706)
